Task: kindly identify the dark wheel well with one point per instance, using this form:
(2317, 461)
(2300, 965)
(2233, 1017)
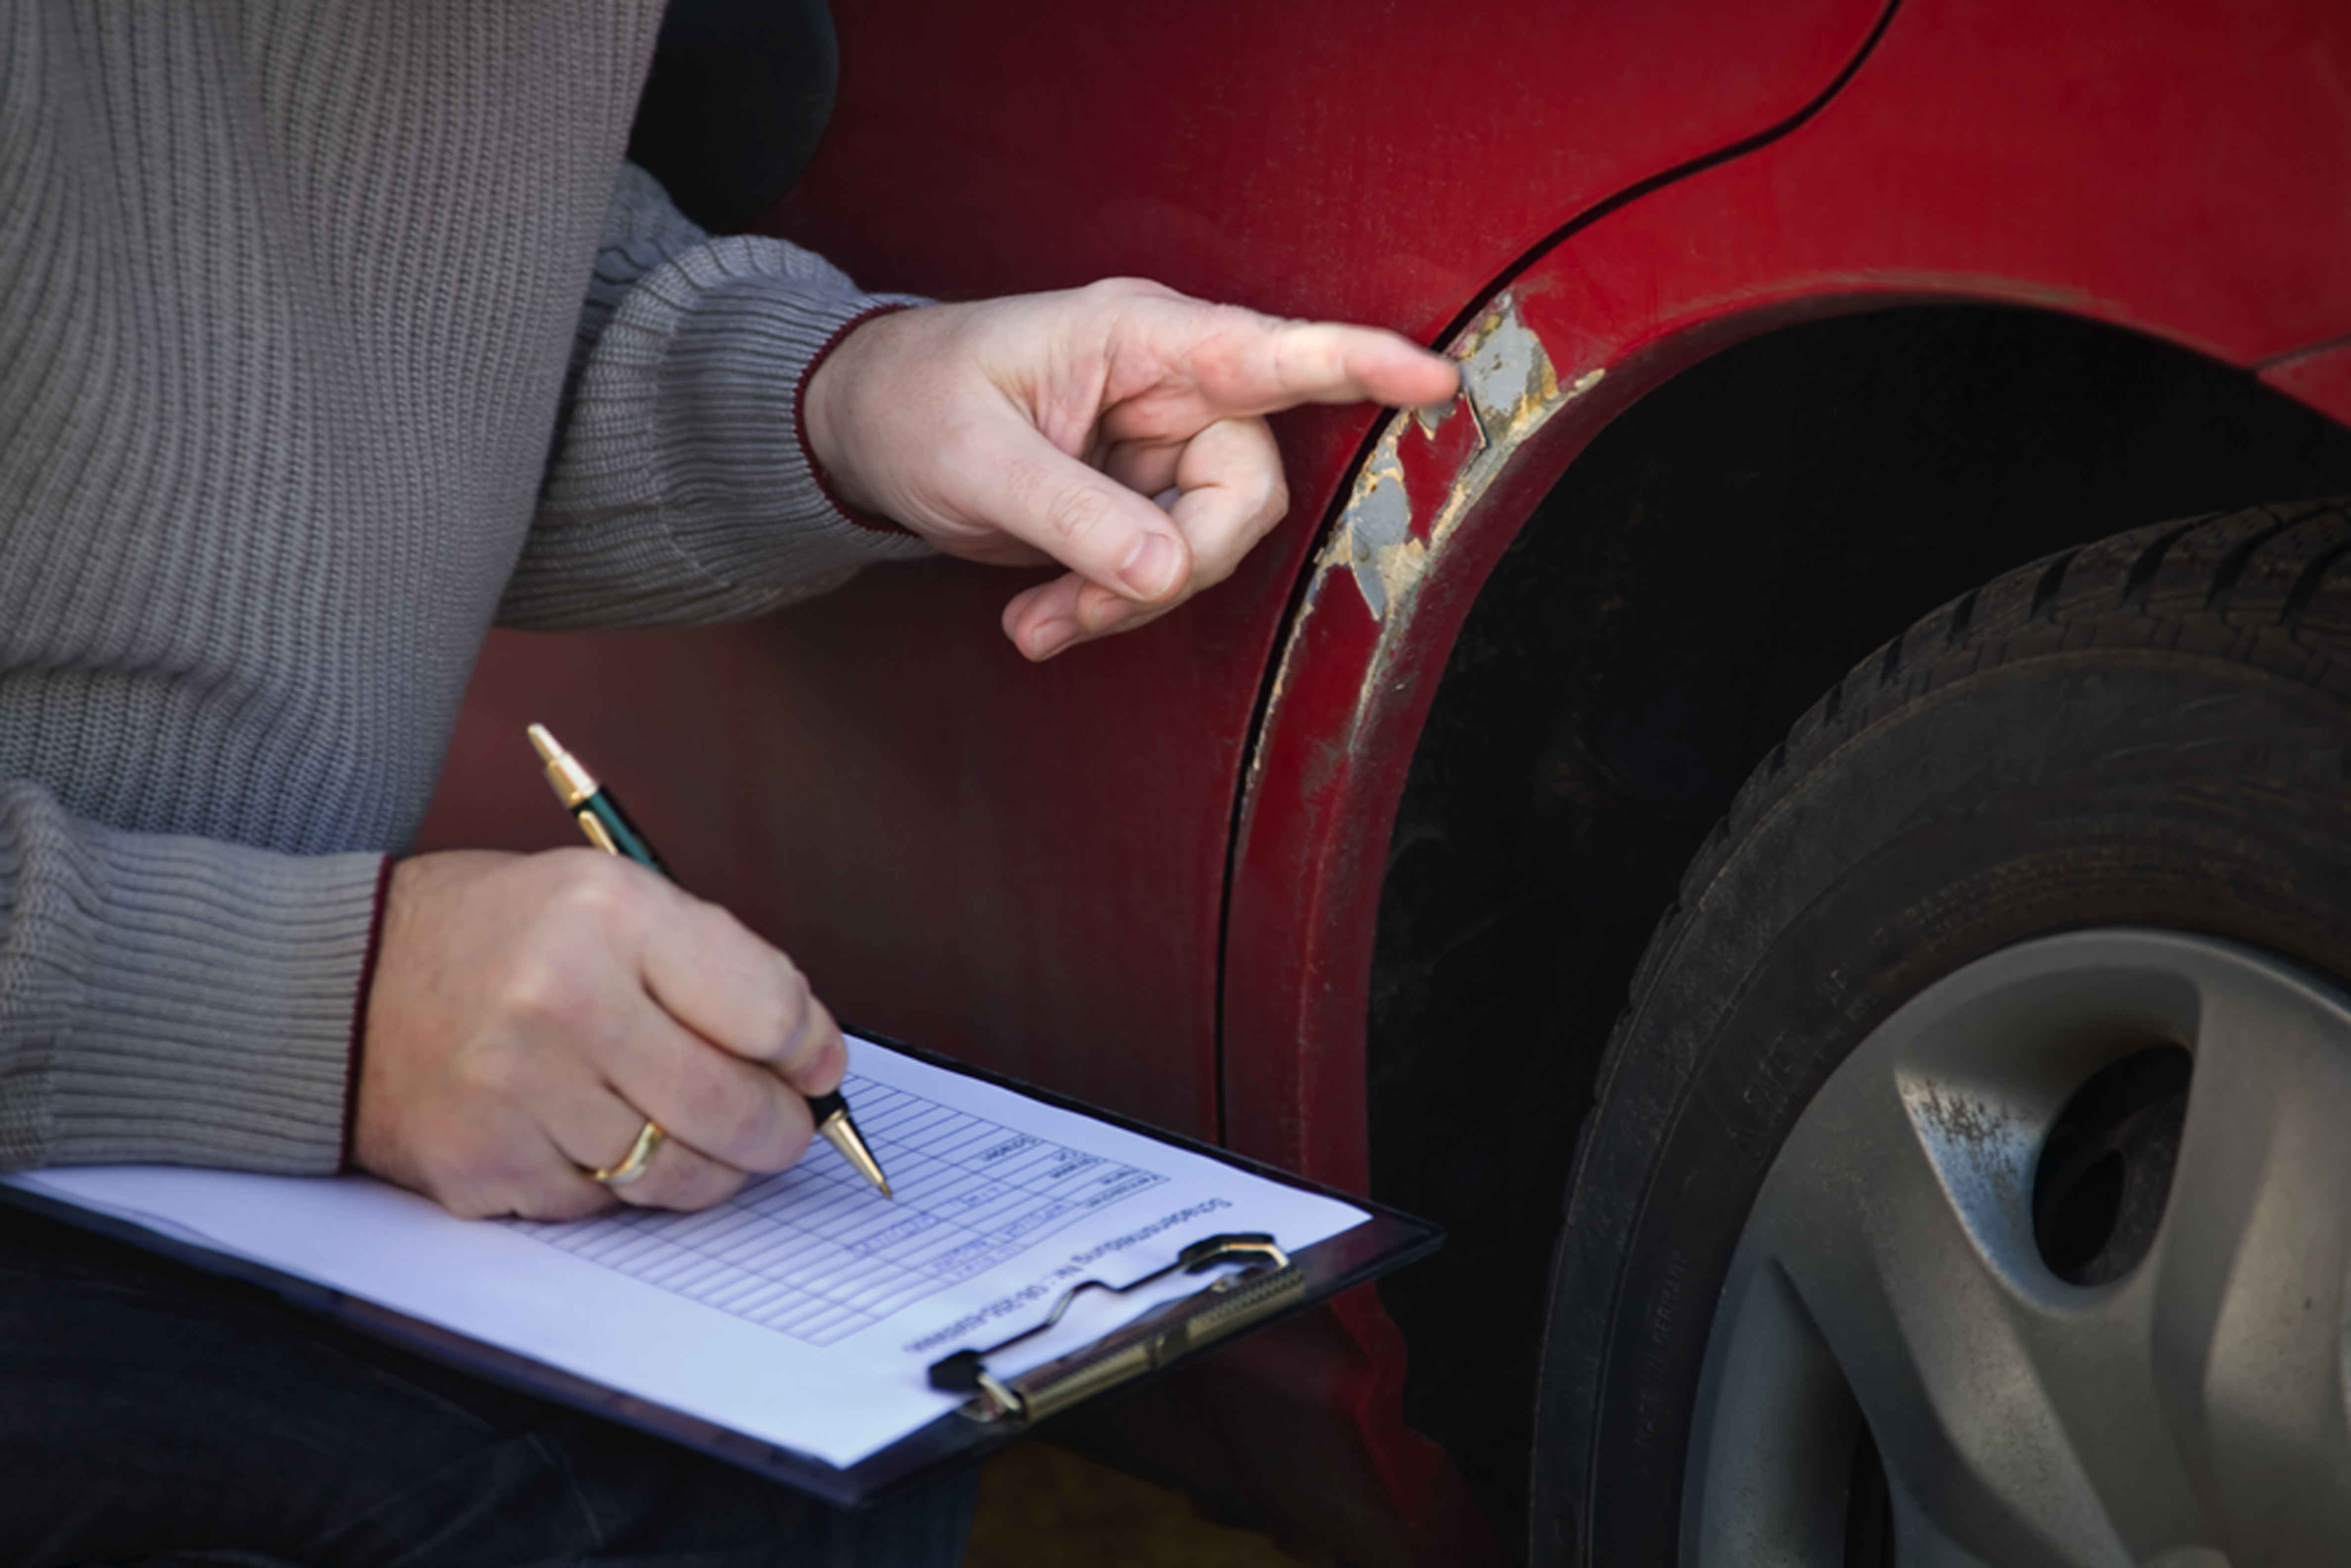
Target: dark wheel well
(1720, 556)
(737, 98)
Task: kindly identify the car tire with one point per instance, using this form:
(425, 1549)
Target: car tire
(2145, 742)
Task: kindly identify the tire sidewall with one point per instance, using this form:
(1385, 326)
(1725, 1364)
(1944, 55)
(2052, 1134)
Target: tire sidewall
(1967, 795)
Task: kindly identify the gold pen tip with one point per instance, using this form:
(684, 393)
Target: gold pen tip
(572, 783)
(842, 1133)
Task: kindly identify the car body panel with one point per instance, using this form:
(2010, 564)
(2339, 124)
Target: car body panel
(2321, 378)
(1147, 872)
(2098, 188)
(1369, 159)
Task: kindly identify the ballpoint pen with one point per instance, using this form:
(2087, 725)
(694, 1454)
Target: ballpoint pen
(609, 829)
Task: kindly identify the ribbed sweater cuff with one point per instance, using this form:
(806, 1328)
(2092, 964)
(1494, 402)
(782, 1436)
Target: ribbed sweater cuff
(683, 476)
(214, 1022)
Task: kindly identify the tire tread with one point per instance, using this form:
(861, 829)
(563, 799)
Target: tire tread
(2269, 587)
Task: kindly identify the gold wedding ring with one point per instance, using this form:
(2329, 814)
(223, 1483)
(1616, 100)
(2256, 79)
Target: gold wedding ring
(641, 1154)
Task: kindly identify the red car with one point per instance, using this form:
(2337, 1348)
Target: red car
(1914, 1134)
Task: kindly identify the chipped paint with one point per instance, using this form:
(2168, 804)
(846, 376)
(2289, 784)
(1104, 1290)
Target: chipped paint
(1505, 372)
(1511, 389)
(1375, 538)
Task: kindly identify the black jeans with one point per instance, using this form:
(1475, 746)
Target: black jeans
(151, 1412)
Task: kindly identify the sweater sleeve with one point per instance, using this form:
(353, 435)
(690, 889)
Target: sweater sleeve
(175, 1000)
(681, 488)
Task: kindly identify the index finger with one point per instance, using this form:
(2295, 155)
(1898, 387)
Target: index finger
(707, 971)
(1258, 365)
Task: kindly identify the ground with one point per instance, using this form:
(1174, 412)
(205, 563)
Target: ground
(1044, 1507)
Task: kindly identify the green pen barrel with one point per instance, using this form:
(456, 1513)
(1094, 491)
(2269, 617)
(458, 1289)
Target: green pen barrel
(625, 838)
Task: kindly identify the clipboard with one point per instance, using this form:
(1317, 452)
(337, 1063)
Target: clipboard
(1273, 1285)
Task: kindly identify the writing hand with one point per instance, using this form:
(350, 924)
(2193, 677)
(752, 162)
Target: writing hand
(530, 1012)
(1039, 427)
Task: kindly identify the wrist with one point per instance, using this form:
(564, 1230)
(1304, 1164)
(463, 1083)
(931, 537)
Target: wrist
(821, 423)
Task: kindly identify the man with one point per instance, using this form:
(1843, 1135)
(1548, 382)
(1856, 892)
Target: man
(327, 335)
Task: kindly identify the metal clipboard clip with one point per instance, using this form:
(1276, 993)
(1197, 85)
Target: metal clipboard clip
(1151, 1340)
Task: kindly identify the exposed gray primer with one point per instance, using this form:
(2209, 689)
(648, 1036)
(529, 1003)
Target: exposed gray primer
(1511, 389)
(1375, 530)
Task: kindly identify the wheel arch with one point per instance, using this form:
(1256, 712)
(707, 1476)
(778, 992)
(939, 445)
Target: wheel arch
(1978, 157)
(1563, 731)
(2082, 204)
(1712, 561)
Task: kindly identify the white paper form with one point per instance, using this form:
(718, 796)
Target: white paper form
(807, 1310)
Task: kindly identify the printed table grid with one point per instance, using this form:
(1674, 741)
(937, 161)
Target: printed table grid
(815, 1253)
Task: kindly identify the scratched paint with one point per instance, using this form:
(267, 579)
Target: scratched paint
(1510, 389)
(1376, 534)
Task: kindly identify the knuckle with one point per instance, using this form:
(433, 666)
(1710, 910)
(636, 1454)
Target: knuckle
(599, 886)
(787, 1021)
(539, 992)
(573, 1200)
(478, 1177)
(491, 1074)
(577, 887)
(1075, 513)
(1276, 504)
(737, 1123)
(767, 975)
(683, 1180)
(741, 1126)
(1118, 290)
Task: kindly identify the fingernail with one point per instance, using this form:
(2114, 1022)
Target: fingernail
(1107, 611)
(1152, 567)
(824, 1064)
(1051, 637)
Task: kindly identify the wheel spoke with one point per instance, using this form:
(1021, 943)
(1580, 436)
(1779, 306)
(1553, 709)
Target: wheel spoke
(2184, 1403)
(1916, 1295)
(2247, 1346)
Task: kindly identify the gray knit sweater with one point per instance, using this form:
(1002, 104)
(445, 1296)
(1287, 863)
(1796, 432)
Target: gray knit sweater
(288, 292)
